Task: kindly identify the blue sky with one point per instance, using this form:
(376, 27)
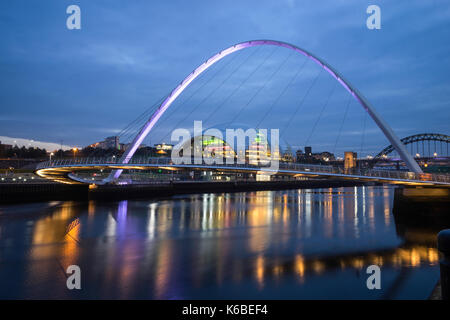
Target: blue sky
(80, 86)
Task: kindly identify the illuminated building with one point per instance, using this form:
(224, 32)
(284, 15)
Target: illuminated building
(163, 146)
(288, 156)
(324, 156)
(258, 151)
(310, 157)
(109, 143)
(209, 146)
(163, 149)
(350, 159)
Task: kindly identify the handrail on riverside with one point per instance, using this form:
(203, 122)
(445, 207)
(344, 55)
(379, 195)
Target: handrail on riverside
(197, 162)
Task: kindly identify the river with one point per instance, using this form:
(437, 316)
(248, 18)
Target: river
(293, 244)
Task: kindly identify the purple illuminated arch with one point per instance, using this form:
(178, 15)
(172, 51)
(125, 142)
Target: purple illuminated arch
(395, 141)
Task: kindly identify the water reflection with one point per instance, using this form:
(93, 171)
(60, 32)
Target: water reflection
(311, 243)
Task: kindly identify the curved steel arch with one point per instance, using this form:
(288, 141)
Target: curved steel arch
(415, 138)
(395, 141)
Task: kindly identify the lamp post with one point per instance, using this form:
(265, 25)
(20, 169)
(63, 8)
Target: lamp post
(74, 151)
(51, 154)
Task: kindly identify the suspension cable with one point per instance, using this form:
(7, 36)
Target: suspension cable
(363, 134)
(132, 126)
(260, 88)
(135, 122)
(236, 89)
(282, 92)
(321, 112)
(174, 110)
(342, 123)
(301, 103)
(212, 92)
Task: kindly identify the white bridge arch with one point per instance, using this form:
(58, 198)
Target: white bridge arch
(390, 135)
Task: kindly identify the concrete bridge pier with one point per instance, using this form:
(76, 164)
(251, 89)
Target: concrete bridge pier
(422, 206)
(444, 248)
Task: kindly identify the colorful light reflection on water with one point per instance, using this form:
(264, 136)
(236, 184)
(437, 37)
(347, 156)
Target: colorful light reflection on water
(293, 244)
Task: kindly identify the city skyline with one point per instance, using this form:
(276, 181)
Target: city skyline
(109, 85)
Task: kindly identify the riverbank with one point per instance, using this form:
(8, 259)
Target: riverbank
(186, 187)
(422, 206)
(436, 293)
(13, 193)
(35, 192)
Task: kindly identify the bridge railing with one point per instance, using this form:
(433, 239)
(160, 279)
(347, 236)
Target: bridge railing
(324, 169)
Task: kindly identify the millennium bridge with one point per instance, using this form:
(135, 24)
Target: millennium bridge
(67, 171)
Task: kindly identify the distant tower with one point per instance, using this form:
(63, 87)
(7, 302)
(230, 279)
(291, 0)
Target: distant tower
(308, 151)
(288, 156)
(298, 155)
(350, 159)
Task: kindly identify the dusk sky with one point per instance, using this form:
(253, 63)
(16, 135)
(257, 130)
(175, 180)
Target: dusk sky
(80, 86)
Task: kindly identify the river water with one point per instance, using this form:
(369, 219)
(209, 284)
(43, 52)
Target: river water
(293, 244)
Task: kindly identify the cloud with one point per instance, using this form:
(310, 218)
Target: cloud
(49, 146)
(120, 56)
(81, 86)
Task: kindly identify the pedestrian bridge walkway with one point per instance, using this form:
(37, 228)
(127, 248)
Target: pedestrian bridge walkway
(66, 171)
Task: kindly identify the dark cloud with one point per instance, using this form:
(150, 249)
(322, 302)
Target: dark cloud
(80, 86)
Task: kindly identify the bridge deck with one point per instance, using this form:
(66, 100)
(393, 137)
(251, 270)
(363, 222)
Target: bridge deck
(64, 171)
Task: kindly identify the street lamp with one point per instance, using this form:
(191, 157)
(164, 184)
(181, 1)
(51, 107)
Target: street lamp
(435, 154)
(51, 155)
(417, 155)
(74, 151)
